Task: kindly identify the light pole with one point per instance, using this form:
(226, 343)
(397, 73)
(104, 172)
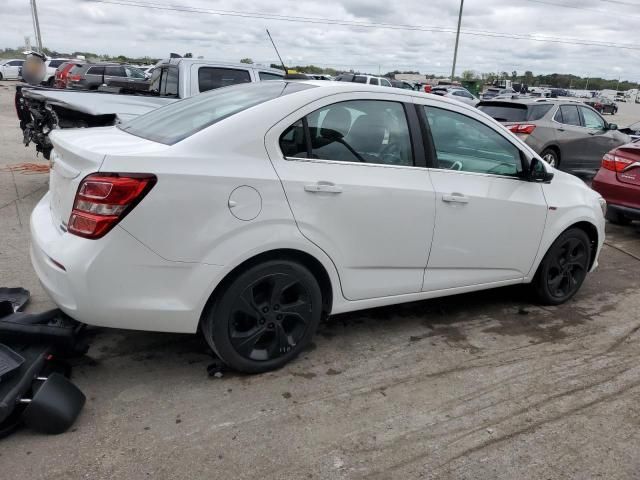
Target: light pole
(455, 50)
(36, 25)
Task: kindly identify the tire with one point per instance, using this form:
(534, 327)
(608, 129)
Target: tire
(264, 317)
(1, 77)
(550, 156)
(563, 268)
(617, 218)
(50, 82)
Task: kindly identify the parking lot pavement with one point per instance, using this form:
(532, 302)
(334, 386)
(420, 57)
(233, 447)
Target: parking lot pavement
(478, 386)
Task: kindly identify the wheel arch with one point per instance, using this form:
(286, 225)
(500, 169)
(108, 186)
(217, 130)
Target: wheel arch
(309, 261)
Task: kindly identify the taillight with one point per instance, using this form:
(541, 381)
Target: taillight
(522, 128)
(614, 162)
(427, 88)
(103, 199)
(597, 105)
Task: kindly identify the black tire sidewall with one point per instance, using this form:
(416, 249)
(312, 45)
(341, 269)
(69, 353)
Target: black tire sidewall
(542, 289)
(215, 324)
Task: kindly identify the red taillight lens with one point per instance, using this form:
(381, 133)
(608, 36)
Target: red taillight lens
(427, 88)
(614, 162)
(103, 199)
(522, 128)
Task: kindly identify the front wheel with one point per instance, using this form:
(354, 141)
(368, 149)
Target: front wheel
(264, 317)
(563, 268)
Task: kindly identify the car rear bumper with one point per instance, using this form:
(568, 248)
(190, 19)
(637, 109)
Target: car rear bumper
(628, 212)
(617, 194)
(117, 281)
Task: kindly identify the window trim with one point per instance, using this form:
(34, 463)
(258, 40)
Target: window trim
(553, 119)
(307, 134)
(524, 158)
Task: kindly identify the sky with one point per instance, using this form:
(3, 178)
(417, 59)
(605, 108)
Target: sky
(89, 25)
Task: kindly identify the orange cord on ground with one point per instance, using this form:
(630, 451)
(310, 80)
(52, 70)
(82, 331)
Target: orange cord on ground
(27, 168)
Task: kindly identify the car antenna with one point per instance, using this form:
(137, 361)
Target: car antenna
(278, 53)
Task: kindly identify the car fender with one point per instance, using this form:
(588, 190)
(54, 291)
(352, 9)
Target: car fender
(569, 202)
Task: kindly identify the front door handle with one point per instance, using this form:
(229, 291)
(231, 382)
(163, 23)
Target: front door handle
(323, 187)
(455, 198)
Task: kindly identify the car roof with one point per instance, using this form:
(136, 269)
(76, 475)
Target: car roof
(529, 101)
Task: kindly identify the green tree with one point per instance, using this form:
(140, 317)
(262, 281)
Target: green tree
(246, 60)
(469, 75)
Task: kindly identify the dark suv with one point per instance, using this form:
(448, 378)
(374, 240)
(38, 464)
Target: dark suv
(566, 134)
(91, 76)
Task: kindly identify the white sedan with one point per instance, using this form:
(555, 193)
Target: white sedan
(253, 211)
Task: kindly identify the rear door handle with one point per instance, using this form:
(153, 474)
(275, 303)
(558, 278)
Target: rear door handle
(323, 187)
(455, 198)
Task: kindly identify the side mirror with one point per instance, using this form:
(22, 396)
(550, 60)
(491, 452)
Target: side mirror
(538, 172)
(612, 126)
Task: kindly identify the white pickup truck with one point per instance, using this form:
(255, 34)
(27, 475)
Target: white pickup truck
(42, 109)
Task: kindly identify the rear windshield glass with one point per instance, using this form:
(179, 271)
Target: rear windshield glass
(181, 119)
(515, 112)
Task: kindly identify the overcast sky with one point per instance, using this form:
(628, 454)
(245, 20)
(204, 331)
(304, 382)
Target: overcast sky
(69, 25)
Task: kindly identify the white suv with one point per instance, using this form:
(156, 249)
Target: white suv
(253, 211)
(10, 69)
(52, 65)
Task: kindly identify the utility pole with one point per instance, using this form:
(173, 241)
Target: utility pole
(36, 25)
(587, 85)
(618, 85)
(455, 50)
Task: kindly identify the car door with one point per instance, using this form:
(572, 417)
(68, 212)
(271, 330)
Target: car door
(570, 135)
(599, 140)
(13, 69)
(347, 165)
(114, 73)
(489, 222)
(93, 77)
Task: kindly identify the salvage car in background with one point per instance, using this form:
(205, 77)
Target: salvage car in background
(603, 105)
(367, 79)
(41, 110)
(185, 218)
(92, 75)
(62, 72)
(456, 93)
(52, 65)
(618, 181)
(568, 135)
(10, 69)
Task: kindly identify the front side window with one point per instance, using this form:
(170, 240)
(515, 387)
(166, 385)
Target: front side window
(385, 83)
(366, 131)
(569, 114)
(114, 71)
(210, 78)
(592, 119)
(465, 144)
(134, 72)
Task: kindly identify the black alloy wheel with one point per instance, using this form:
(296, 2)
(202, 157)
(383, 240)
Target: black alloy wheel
(563, 268)
(265, 316)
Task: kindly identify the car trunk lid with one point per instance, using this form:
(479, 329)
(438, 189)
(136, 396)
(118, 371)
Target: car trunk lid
(76, 154)
(630, 154)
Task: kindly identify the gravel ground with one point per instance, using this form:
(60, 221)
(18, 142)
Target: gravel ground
(478, 386)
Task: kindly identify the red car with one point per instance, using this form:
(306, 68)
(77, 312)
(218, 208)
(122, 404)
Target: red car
(618, 181)
(62, 73)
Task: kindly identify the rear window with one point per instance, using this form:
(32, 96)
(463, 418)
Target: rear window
(181, 119)
(210, 78)
(515, 112)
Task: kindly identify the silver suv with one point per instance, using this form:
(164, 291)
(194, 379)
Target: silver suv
(567, 134)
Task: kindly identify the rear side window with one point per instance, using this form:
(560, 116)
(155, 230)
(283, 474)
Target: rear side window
(114, 71)
(210, 78)
(373, 81)
(181, 119)
(506, 113)
(95, 71)
(365, 131)
(269, 76)
(465, 144)
(570, 115)
(56, 63)
(360, 79)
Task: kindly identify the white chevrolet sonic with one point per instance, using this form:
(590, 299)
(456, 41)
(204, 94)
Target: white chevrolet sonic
(252, 211)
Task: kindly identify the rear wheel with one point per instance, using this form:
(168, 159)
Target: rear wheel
(563, 268)
(264, 317)
(617, 218)
(551, 157)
